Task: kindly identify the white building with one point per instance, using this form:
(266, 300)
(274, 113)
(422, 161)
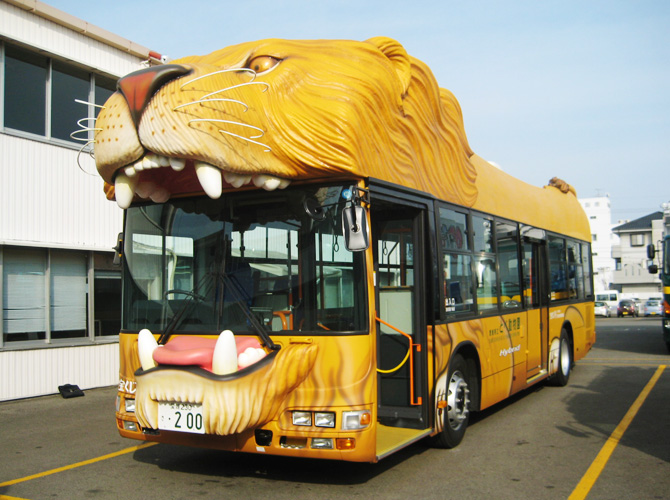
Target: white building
(631, 276)
(599, 212)
(60, 312)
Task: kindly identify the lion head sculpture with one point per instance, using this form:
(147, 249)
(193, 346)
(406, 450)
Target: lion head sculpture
(274, 111)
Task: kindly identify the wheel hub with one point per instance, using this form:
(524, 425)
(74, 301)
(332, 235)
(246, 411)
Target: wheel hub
(458, 400)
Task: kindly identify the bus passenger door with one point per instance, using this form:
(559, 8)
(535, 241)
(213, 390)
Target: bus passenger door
(399, 285)
(536, 291)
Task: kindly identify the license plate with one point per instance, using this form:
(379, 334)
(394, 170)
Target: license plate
(182, 417)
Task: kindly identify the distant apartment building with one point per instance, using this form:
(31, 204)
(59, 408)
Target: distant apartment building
(631, 276)
(60, 291)
(599, 212)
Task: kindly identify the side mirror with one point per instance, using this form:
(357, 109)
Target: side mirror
(651, 251)
(653, 269)
(118, 250)
(355, 228)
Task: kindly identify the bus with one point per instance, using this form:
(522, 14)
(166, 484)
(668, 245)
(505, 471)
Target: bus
(664, 257)
(350, 313)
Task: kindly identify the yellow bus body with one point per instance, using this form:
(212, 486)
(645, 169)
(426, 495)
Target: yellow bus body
(507, 353)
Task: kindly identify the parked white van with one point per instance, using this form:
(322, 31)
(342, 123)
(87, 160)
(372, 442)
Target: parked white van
(611, 298)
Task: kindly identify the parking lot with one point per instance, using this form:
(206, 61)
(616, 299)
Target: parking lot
(604, 436)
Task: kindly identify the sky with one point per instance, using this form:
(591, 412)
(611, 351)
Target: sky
(577, 89)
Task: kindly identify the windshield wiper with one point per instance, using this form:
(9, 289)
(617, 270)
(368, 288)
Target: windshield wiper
(194, 298)
(176, 319)
(238, 296)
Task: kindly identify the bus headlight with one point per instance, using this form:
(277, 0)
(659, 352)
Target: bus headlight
(130, 406)
(302, 418)
(129, 426)
(324, 419)
(322, 443)
(355, 420)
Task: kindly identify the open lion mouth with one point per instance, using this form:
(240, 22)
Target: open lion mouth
(160, 135)
(157, 178)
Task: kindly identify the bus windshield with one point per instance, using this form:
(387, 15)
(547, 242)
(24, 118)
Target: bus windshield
(201, 265)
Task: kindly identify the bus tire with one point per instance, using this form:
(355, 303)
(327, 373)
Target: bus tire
(562, 375)
(461, 384)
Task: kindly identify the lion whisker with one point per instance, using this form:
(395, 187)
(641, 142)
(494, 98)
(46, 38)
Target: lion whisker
(83, 128)
(267, 150)
(201, 101)
(230, 122)
(229, 70)
(90, 153)
(236, 86)
(89, 103)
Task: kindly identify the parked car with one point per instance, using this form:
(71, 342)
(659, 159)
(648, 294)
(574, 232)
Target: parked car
(602, 309)
(652, 308)
(626, 308)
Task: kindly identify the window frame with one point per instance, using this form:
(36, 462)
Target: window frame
(584, 288)
(96, 80)
(635, 236)
(95, 262)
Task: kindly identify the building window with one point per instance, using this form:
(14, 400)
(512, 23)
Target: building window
(68, 84)
(107, 295)
(25, 90)
(24, 298)
(46, 296)
(637, 239)
(594, 237)
(617, 264)
(40, 95)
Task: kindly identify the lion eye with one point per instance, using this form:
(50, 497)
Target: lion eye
(261, 64)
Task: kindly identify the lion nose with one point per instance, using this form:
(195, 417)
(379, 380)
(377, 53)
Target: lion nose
(139, 87)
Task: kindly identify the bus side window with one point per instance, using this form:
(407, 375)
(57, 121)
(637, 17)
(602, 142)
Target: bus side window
(457, 283)
(558, 268)
(457, 277)
(575, 270)
(586, 264)
(530, 276)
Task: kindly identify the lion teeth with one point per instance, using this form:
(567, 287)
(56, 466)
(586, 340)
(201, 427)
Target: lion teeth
(124, 187)
(210, 179)
(177, 164)
(270, 182)
(236, 180)
(146, 345)
(150, 161)
(224, 359)
(250, 356)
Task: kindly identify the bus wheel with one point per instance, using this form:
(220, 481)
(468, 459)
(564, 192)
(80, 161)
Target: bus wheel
(457, 411)
(562, 375)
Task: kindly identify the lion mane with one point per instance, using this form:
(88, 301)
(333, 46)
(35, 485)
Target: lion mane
(308, 109)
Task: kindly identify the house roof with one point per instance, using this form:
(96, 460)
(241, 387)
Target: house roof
(643, 223)
(61, 18)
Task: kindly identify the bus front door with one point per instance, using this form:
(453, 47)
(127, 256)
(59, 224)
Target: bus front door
(399, 284)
